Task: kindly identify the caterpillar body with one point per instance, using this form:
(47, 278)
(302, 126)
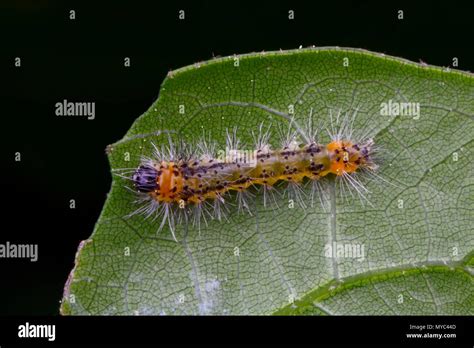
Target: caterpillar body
(183, 184)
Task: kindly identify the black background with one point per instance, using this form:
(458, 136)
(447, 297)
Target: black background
(82, 60)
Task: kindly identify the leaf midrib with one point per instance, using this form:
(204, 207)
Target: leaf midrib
(334, 287)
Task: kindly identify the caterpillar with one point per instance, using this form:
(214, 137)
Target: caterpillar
(183, 184)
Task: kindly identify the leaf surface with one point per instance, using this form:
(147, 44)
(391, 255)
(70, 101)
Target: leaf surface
(417, 236)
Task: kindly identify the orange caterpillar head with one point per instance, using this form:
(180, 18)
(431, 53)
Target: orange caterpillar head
(346, 157)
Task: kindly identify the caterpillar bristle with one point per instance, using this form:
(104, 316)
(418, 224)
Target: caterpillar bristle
(262, 139)
(232, 141)
(353, 185)
(243, 198)
(310, 132)
(317, 190)
(270, 199)
(296, 194)
(289, 138)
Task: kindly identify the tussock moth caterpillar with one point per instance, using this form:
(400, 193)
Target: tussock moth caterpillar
(180, 183)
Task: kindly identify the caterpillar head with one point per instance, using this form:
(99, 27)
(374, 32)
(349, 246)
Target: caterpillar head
(144, 179)
(346, 157)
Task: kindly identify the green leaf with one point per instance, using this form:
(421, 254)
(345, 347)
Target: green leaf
(416, 238)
